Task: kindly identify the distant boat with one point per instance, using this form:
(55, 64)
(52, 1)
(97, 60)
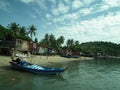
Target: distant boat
(69, 56)
(22, 65)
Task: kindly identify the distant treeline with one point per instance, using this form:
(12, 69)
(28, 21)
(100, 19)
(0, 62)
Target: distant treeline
(101, 48)
(89, 48)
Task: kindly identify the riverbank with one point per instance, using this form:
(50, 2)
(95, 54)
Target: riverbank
(43, 60)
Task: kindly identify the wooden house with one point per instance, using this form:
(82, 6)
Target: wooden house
(32, 47)
(11, 42)
(44, 50)
(41, 49)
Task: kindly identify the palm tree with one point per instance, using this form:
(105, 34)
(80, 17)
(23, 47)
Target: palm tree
(76, 43)
(68, 43)
(32, 31)
(47, 39)
(14, 28)
(47, 43)
(71, 42)
(60, 41)
(22, 31)
(76, 46)
(52, 40)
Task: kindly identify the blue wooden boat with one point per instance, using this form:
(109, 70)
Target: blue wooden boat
(22, 65)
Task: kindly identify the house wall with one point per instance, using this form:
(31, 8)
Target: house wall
(42, 50)
(25, 45)
(18, 44)
(13, 43)
(22, 45)
(32, 46)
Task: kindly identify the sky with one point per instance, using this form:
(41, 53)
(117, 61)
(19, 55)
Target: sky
(82, 20)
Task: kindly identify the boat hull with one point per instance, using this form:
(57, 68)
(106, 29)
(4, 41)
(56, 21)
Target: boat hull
(37, 69)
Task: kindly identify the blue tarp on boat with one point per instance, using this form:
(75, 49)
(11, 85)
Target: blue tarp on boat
(36, 68)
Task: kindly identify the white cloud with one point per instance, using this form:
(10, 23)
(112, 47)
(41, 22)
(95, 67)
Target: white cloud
(41, 3)
(85, 11)
(61, 9)
(72, 16)
(55, 12)
(77, 4)
(103, 28)
(67, 1)
(88, 1)
(48, 16)
(117, 12)
(63, 21)
(104, 7)
(66, 17)
(56, 20)
(49, 23)
(112, 3)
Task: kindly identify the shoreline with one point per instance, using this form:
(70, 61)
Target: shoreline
(43, 60)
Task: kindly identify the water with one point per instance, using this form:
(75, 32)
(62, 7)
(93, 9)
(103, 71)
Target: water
(82, 75)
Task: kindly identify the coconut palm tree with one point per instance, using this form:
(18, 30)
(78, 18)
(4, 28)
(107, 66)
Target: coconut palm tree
(14, 28)
(22, 31)
(32, 31)
(60, 41)
(52, 40)
(71, 42)
(76, 43)
(68, 43)
(47, 43)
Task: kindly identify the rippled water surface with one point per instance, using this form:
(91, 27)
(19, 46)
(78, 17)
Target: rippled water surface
(82, 75)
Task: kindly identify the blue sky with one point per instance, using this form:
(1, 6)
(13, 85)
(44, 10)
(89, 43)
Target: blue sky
(82, 20)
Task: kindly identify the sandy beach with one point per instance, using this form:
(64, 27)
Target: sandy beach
(43, 60)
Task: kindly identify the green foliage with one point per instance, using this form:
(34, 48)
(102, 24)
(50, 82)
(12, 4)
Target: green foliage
(88, 48)
(14, 30)
(23, 31)
(70, 43)
(103, 48)
(94, 48)
(51, 41)
(32, 31)
(36, 40)
(3, 32)
(60, 41)
(73, 45)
